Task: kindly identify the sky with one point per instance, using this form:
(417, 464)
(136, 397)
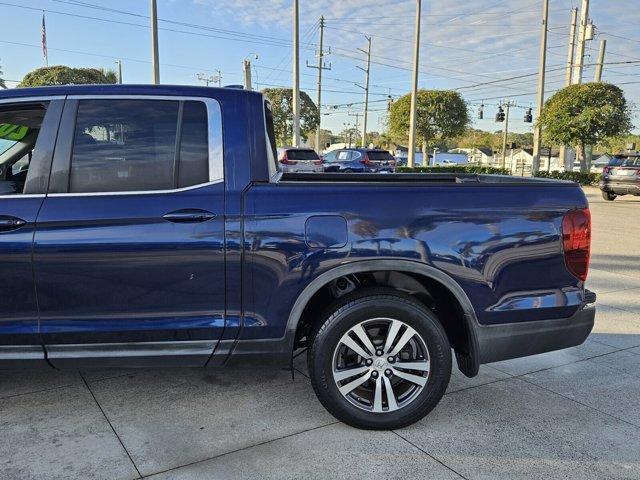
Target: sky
(475, 46)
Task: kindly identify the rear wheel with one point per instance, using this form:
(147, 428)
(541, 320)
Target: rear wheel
(380, 360)
(609, 196)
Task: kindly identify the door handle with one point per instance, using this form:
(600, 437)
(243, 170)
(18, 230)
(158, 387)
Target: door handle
(10, 223)
(189, 216)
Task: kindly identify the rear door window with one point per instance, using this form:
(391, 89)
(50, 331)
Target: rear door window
(123, 145)
(379, 156)
(343, 156)
(302, 155)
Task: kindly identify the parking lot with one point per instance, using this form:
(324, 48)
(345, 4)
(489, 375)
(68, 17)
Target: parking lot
(568, 414)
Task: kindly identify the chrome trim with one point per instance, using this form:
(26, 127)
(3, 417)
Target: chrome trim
(21, 352)
(134, 349)
(140, 192)
(216, 141)
(32, 99)
(16, 196)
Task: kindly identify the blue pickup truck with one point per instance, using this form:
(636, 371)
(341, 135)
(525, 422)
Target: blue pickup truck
(150, 226)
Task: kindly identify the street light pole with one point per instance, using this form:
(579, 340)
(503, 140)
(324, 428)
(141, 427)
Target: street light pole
(296, 74)
(508, 106)
(119, 62)
(154, 43)
(537, 131)
(414, 89)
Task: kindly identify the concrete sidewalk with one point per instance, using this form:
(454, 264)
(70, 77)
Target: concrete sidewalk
(568, 414)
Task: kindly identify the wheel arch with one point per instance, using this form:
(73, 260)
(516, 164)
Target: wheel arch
(468, 361)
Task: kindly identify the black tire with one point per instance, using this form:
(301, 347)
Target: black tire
(609, 196)
(378, 302)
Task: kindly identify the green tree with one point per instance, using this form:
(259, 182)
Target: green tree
(581, 115)
(63, 75)
(441, 115)
(282, 108)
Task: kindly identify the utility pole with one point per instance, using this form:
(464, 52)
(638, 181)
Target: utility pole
(366, 90)
(572, 47)
(414, 88)
(321, 66)
(537, 130)
(569, 75)
(582, 40)
(154, 43)
(246, 70)
(357, 115)
(600, 64)
(507, 106)
(119, 62)
(296, 73)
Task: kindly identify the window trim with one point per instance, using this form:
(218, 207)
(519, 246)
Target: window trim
(215, 143)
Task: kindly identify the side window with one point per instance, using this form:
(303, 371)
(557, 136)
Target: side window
(124, 145)
(19, 130)
(343, 155)
(193, 168)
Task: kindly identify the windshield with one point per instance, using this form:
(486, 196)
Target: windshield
(380, 155)
(625, 162)
(302, 155)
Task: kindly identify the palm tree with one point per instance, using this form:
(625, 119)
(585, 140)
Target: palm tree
(2, 84)
(111, 76)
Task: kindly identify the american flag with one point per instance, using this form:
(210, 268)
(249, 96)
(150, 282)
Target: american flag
(44, 42)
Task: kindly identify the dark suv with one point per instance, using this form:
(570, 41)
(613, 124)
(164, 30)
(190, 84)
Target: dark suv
(359, 160)
(621, 177)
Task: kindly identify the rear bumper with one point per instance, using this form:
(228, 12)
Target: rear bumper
(621, 188)
(515, 340)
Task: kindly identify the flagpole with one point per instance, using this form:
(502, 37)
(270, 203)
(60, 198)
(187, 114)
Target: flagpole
(45, 53)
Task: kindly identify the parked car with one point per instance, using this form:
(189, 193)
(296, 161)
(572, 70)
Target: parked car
(445, 163)
(154, 229)
(621, 177)
(293, 160)
(359, 160)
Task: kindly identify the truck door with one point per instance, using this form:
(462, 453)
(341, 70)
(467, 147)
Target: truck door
(28, 130)
(129, 247)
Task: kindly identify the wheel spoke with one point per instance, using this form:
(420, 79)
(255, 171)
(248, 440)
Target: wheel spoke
(406, 336)
(340, 375)
(364, 338)
(418, 380)
(345, 389)
(377, 399)
(423, 365)
(391, 334)
(391, 396)
(350, 342)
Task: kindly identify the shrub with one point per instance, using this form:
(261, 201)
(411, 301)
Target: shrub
(578, 177)
(477, 169)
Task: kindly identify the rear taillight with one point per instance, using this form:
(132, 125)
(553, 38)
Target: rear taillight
(317, 162)
(285, 160)
(576, 241)
(365, 160)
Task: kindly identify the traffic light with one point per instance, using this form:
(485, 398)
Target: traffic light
(481, 112)
(500, 116)
(528, 117)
